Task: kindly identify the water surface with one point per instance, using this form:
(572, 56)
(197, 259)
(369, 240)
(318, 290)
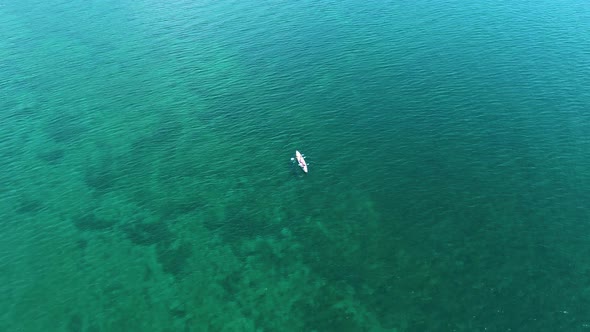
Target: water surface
(146, 183)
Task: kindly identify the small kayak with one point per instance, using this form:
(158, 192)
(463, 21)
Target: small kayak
(301, 161)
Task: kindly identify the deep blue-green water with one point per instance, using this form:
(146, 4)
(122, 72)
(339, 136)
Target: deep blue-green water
(146, 181)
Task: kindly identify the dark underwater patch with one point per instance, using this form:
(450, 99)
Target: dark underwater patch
(29, 206)
(65, 129)
(231, 284)
(104, 173)
(82, 244)
(173, 260)
(76, 324)
(320, 314)
(165, 134)
(90, 222)
(241, 223)
(52, 157)
(167, 131)
(93, 328)
(148, 233)
(178, 310)
(101, 180)
(184, 203)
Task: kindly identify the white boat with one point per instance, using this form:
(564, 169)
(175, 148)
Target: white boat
(301, 161)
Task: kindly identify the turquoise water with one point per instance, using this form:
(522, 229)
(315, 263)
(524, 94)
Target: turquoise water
(146, 179)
